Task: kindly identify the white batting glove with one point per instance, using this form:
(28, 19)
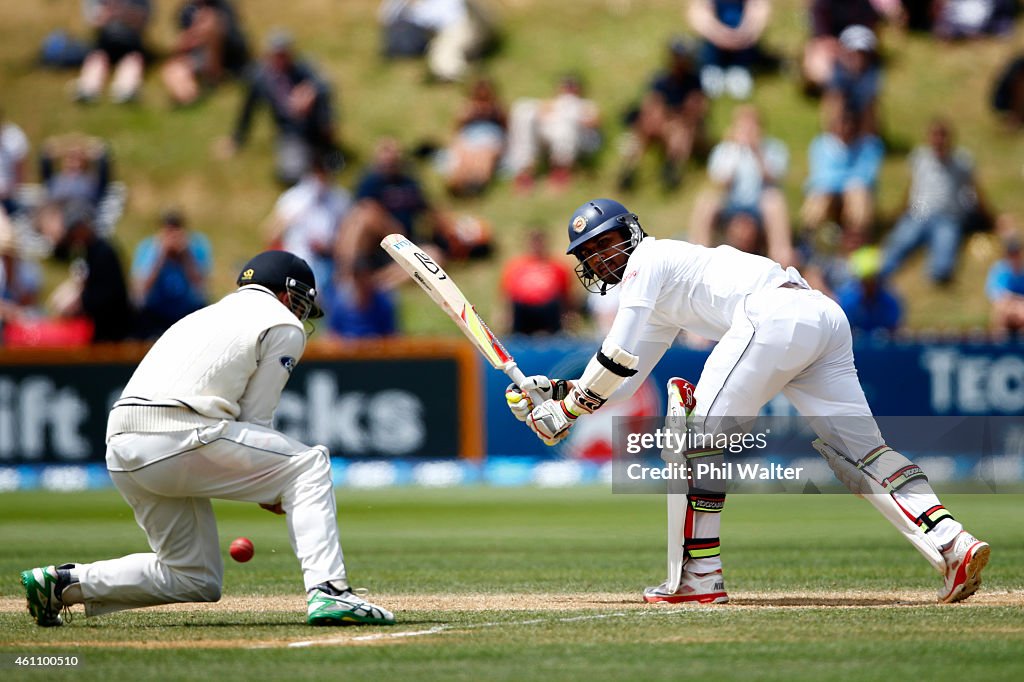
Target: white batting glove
(551, 421)
(519, 401)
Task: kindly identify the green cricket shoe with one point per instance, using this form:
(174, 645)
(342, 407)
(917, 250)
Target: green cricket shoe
(328, 606)
(42, 595)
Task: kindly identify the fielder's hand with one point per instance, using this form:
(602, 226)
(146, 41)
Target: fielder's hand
(518, 399)
(275, 508)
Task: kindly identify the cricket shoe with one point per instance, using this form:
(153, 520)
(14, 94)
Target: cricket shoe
(697, 588)
(43, 587)
(965, 557)
(329, 606)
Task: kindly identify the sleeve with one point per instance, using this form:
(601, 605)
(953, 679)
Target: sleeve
(722, 163)
(776, 158)
(650, 353)
(642, 283)
(632, 331)
(144, 259)
(996, 284)
(17, 143)
(202, 253)
(278, 352)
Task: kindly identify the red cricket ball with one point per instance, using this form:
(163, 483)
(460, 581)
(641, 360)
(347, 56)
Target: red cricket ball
(242, 549)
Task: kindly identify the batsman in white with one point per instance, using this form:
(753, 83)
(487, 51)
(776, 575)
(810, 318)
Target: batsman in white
(775, 334)
(194, 423)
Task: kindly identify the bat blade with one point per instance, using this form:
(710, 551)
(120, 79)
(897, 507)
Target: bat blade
(442, 290)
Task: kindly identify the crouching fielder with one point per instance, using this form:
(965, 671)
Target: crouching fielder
(192, 424)
(775, 334)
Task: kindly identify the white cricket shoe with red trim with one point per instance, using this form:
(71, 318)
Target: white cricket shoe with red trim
(697, 588)
(965, 557)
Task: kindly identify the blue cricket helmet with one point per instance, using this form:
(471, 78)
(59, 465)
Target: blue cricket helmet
(602, 270)
(596, 217)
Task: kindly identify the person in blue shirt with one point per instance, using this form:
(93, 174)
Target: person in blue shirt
(1004, 287)
(843, 167)
(865, 298)
(169, 274)
(388, 199)
(731, 32)
(359, 309)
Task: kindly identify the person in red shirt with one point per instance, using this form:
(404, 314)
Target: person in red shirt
(537, 288)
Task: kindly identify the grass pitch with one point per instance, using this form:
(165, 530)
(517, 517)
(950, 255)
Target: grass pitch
(496, 584)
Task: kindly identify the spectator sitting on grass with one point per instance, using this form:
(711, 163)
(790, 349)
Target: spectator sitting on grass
(170, 272)
(209, 47)
(120, 25)
(449, 32)
(731, 31)
(745, 170)
(670, 116)
(562, 130)
(388, 199)
(480, 128)
(828, 19)
(300, 103)
(942, 190)
(1004, 287)
(74, 169)
(868, 303)
(856, 78)
(358, 308)
(843, 167)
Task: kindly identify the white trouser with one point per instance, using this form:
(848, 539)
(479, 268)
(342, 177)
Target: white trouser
(530, 131)
(797, 342)
(449, 52)
(169, 478)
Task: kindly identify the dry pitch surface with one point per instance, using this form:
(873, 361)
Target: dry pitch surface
(534, 610)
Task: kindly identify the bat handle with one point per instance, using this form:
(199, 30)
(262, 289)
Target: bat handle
(516, 375)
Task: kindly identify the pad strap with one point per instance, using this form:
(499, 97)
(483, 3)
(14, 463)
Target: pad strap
(702, 548)
(614, 367)
(709, 503)
(932, 516)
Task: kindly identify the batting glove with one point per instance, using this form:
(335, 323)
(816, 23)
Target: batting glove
(519, 401)
(551, 421)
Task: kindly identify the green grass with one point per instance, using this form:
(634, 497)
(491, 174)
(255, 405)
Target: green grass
(818, 581)
(165, 156)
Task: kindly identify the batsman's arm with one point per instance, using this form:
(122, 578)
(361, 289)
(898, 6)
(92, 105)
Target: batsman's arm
(278, 352)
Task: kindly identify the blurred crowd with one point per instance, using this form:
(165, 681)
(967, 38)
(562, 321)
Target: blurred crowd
(62, 198)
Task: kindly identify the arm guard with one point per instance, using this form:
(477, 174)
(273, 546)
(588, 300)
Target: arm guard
(608, 370)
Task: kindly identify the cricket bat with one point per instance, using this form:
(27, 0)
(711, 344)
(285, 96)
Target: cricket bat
(445, 293)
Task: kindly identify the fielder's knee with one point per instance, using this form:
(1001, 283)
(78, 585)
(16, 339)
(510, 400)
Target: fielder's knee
(313, 465)
(199, 587)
